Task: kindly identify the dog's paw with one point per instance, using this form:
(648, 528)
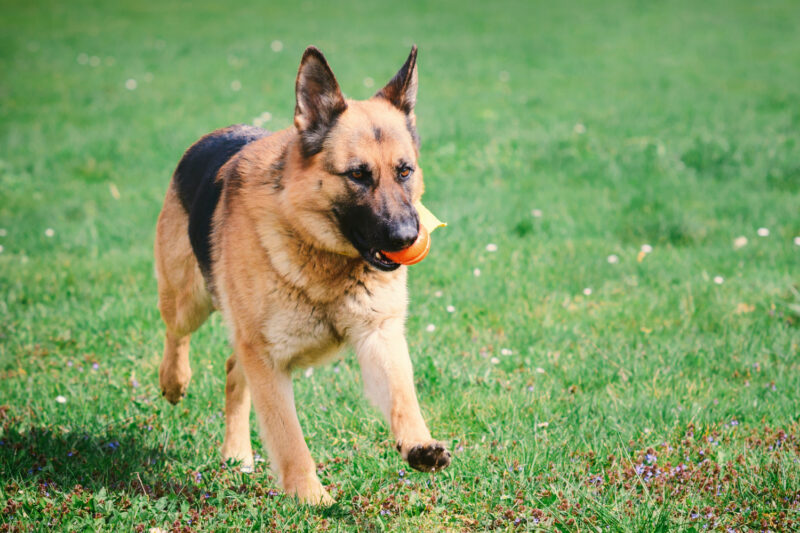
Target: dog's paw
(243, 456)
(431, 457)
(310, 491)
(174, 382)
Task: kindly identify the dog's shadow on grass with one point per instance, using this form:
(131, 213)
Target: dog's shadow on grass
(117, 460)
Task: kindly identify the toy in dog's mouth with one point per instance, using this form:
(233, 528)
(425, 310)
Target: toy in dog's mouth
(420, 247)
(414, 253)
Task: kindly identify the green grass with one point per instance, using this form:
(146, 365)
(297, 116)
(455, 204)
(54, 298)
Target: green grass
(674, 124)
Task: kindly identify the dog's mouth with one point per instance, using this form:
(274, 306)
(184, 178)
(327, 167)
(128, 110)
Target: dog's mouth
(375, 257)
(370, 253)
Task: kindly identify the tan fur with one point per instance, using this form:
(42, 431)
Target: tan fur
(293, 291)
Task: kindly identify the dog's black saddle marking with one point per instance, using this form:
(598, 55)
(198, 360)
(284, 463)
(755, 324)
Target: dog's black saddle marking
(199, 190)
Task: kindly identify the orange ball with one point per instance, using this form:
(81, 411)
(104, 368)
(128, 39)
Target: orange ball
(414, 253)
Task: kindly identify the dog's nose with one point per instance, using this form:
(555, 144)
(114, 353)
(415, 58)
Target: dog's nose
(403, 233)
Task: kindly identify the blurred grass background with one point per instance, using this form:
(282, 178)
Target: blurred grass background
(563, 133)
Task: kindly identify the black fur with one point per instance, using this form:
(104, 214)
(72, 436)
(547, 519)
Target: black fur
(197, 186)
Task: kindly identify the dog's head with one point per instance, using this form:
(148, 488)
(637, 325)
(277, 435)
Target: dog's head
(357, 176)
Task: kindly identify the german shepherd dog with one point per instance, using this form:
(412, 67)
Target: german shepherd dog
(282, 233)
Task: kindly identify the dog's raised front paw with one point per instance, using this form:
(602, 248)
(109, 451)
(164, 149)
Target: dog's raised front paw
(430, 457)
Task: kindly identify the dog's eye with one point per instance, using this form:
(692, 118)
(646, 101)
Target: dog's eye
(360, 175)
(404, 172)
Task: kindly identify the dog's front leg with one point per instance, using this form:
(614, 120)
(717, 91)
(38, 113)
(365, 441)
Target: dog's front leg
(273, 400)
(389, 383)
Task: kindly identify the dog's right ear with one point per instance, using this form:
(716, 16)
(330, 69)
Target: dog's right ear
(319, 101)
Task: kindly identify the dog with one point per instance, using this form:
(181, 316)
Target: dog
(283, 233)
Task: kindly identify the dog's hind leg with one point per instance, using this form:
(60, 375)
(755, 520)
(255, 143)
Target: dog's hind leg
(183, 299)
(237, 416)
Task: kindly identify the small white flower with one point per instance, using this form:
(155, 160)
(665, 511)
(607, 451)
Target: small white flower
(236, 86)
(114, 191)
(438, 294)
(646, 248)
(83, 58)
(49, 232)
(587, 291)
(763, 232)
(156, 530)
(719, 280)
(3, 232)
(131, 84)
(476, 272)
(797, 241)
(94, 61)
(368, 82)
(579, 128)
(276, 46)
(537, 213)
(257, 122)
(266, 116)
(504, 76)
(613, 259)
(494, 360)
(309, 372)
(430, 328)
(491, 247)
(739, 242)
(539, 370)
(60, 399)
(451, 309)
(505, 351)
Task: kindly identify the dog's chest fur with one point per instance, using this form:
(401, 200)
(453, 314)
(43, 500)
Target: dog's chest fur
(322, 309)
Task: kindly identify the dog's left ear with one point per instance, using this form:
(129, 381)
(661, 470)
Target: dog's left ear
(401, 91)
(319, 100)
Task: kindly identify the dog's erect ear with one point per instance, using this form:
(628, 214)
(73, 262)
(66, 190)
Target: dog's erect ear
(319, 100)
(401, 91)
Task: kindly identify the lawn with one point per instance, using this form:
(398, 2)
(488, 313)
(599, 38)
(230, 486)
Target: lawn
(606, 334)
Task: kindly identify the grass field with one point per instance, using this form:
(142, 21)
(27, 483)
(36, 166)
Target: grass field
(582, 384)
